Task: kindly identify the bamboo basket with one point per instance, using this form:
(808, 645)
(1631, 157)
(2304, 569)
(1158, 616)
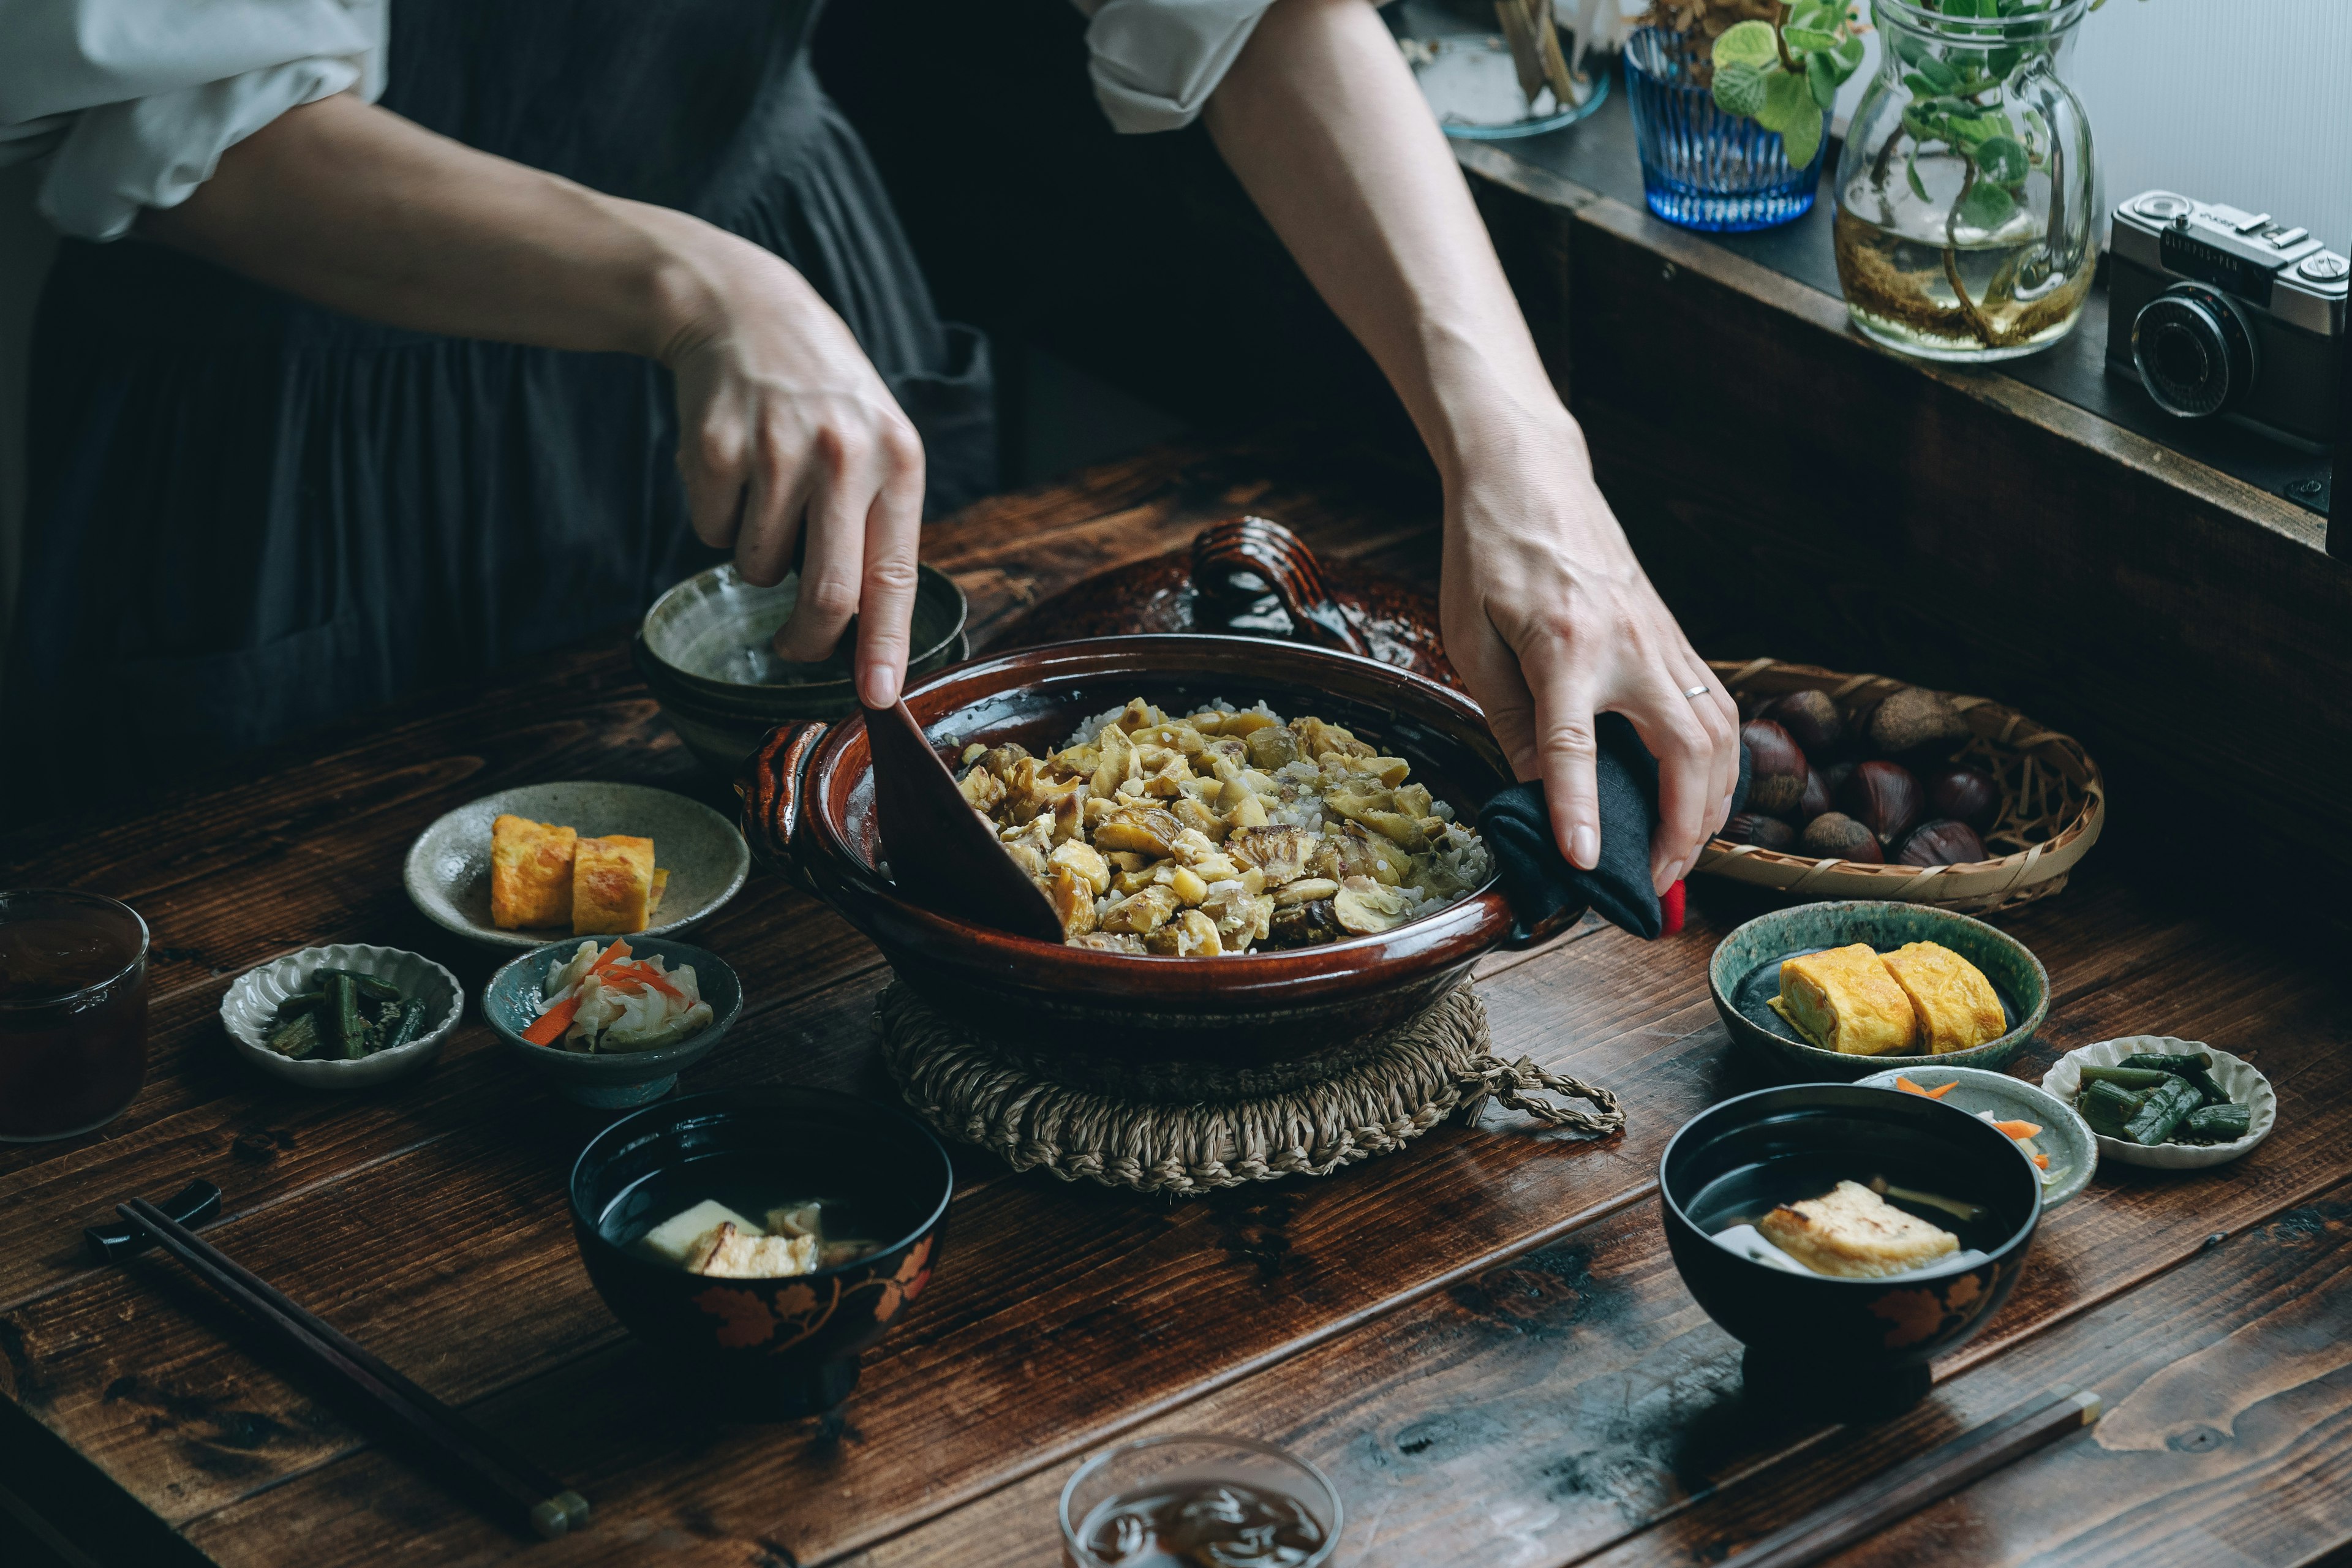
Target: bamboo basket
(2052, 805)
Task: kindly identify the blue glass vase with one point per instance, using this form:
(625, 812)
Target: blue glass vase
(1702, 168)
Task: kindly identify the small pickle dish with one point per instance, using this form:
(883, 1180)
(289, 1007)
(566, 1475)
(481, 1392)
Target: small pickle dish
(808, 811)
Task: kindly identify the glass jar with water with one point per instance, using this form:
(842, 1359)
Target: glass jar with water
(1965, 194)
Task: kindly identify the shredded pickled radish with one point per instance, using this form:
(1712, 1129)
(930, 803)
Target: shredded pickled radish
(609, 1000)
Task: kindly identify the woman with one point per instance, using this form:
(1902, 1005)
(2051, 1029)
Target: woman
(316, 443)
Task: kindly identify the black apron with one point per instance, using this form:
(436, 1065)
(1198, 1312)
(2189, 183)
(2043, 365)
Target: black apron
(249, 515)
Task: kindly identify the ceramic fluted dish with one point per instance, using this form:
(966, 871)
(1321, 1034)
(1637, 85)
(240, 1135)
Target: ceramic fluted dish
(1739, 979)
(615, 1079)
(2237, 1079)
(2064, 1137)
(251, 1005)
(448, 871)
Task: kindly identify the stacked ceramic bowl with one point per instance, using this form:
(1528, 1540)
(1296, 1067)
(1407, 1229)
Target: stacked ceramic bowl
(705, 649)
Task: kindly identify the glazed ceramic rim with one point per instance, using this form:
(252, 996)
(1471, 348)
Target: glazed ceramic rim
(2026, 1029)
(2031, 1094)
(1101, 1456)
(2022, 1235)
(318, 1070)
(1457, 924)
(2261, 1103)
(414, 868)
(721, 1103)
(551, 1056)
(80, 896)
(708, 686)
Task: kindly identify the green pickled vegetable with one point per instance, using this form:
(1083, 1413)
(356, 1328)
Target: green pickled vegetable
(2107, 1108)
(2218, 1124)
(371, 988)
(2128, 1078)
(2179, 1064)
(410, 1023)
(2167, 1105)
(301, 1001)
(346, 1030)
(295, 1035)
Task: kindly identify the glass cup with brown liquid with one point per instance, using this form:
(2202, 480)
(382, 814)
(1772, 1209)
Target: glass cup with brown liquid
(1192, 1499)
(73, 1013)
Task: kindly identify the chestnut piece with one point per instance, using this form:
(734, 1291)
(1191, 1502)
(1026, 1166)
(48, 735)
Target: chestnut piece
(1816, 798)
(1775, 779)
(1882, 796)
(1812, 719)
(1835, 833)
(1834, 774)
(1764, 832)
(1963, 794)
(1915, 720)
(1942, 842)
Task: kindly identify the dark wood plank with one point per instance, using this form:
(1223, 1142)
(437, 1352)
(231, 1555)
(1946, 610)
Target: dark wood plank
(1316, 1251)
(1575, 1401)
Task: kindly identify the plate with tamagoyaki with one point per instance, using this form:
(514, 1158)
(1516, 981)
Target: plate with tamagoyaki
(697, 862)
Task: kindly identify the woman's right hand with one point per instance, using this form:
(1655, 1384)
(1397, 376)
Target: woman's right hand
(785, 426)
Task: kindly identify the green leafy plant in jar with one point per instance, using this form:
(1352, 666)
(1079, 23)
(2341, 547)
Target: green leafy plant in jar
(1965, 214)
(1785, 72)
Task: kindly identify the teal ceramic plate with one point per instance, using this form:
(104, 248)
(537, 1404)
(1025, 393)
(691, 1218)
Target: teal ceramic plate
(621, 1079)
(2064, 1137)
(1746, 969)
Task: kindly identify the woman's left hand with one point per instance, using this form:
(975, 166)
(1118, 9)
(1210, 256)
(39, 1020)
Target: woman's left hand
(1550, 621)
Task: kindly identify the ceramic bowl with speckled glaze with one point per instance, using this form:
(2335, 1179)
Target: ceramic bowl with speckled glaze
(609, 1080)
(2065, 1138)
(1746, 969)
(448, 870)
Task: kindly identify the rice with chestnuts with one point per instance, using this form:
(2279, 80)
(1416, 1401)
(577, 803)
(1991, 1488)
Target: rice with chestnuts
(1221, 833)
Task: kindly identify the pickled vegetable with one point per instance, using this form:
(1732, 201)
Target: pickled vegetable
(2218, 1124)
(2126, 1077)
(2167, 1106)
(2107, 1108)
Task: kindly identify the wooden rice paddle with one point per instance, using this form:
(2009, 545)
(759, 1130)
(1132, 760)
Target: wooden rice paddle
(502, 1483)
(1933, 1475)
(941, 853)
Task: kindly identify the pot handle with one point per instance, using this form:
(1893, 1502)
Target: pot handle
(772, 788)
(1280, 561)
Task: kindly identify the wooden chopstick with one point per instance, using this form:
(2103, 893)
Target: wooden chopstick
(509, 1488)
(1933, 1475)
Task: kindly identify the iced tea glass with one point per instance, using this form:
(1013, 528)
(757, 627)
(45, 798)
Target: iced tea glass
(1196, 1497)
(73, 1013)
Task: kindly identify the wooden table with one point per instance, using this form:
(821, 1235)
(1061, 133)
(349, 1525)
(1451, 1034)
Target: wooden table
(1481, 1340)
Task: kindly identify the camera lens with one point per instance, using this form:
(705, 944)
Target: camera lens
(2194, 353)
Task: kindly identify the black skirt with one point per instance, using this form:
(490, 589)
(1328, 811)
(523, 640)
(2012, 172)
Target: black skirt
(249, 515)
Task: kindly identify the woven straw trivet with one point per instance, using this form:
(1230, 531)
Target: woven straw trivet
(1180, 1130)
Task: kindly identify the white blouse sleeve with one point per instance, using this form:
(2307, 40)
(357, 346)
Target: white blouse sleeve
(1155, 62)
(133, 102)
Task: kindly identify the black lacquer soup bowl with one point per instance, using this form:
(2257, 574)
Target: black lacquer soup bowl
(781, 1346)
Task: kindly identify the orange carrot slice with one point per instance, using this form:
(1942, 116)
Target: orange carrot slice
(610, 956)
(549, 1027)
(1906, 1086)
(2042, 1161)
(2018, 1129)
(1942, 1090)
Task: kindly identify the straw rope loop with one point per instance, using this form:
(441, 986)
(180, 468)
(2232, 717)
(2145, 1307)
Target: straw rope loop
(1184, 1129)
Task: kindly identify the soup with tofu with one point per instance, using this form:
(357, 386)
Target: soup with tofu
(741, 1219)
(1817, 1213)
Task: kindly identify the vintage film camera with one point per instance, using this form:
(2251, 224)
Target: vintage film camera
(2218, 312)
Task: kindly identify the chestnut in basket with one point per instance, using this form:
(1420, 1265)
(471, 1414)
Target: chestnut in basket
(1764, 832)
(1964, 794)
(1816, 798)
(1812, 719)
(1942, 842)
(1835, 833)
(1884, 797)
(1776, 767)
(1834, 774)
(1915, 720)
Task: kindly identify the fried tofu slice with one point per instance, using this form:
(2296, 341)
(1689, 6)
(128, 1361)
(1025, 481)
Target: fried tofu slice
(1955, 1005)
(530, 873)
(1843, 999)
(728, 1253)
(1854, 1234)
(612, 885)
(654, 898)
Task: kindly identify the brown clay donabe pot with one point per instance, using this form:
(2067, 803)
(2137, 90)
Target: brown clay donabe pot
(808, 797)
